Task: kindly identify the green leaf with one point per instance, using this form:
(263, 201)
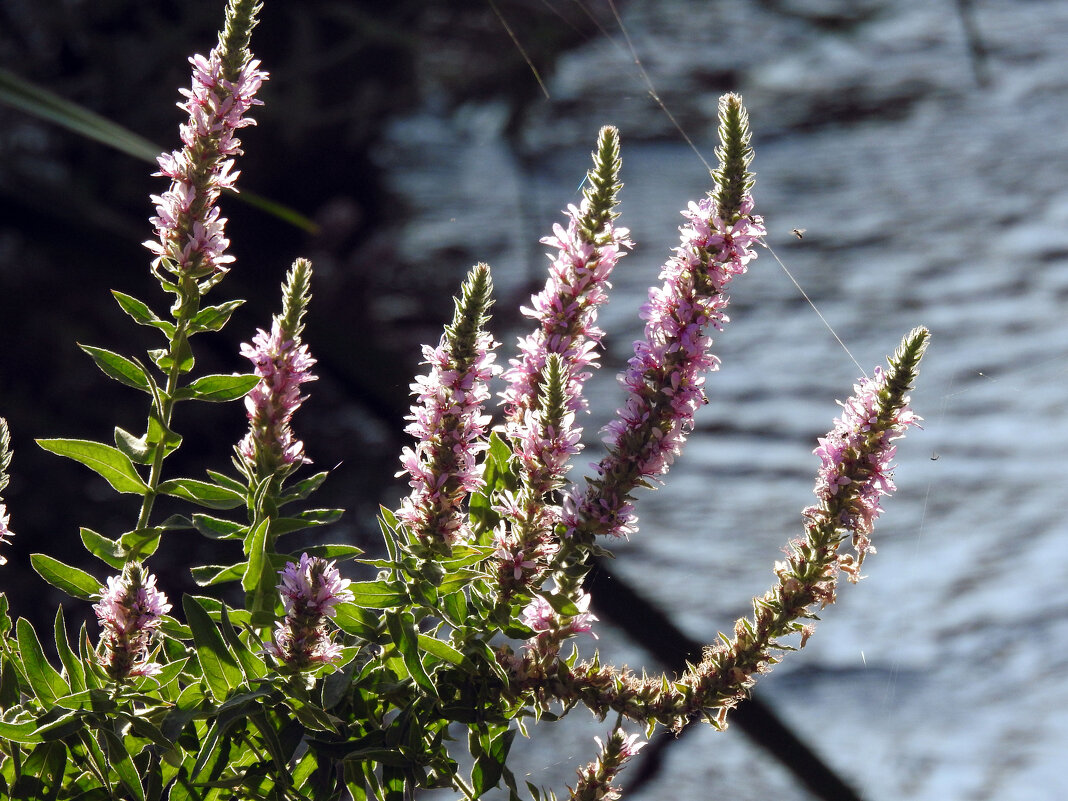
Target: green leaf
(120, 762)
(159, 434)
(403, 632)
(302, 489)
(227, 482)
(95, 700)
(457, 580)
(71, 664)
(112, 464)
(139, 449)
(454, 608)
(353, 619)
(163, 359)
(311, 715)
(218, 388)
(123, 370)
(21, 732)
(103, 548)
(442, 650)
(213, 318)
(218, 529)
(10, 693)
(378, 594)
(489, 765)
(258, 571)
(201, 492)
(58, 724)
(210, 575)
(561, 604)
(71, 580)
(307, 519)
(253, 666)
(45, 681)
(140, 543)
(221, 670)
(141, 314)
(172, 628)
(333, 552)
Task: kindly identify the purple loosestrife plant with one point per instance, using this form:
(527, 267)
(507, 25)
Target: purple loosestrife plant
(325, 687)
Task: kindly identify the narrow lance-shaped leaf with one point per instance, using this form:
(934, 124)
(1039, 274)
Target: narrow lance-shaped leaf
(221, 670)
(46, 682)
(71, 580)
(110, 463)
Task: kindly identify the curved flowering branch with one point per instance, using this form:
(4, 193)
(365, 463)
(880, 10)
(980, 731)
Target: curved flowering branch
(283, 364)
(665, 377)
(546, 381)
(854, 474)
(449, 423)
(191, 242)
(311, 590)
(5, 462)
(129, 614)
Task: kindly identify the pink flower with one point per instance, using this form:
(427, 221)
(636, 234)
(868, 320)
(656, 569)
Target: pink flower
(547, 624)
(129, 613)
(191, 240)
(282, 364)
(311, 589)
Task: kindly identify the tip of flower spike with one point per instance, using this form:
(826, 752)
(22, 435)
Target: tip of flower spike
(602, 194)
(904, 364)
(471, 315)
(733, 178)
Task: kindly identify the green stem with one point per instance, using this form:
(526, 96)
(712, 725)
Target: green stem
(187, 308)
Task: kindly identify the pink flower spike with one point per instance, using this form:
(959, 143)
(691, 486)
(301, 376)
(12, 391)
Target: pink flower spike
(129, 613)
(282, 364)
(190, 233)
(665, 377)
(311, 589)
(449, 422)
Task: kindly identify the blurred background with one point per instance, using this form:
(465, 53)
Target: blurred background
(919, 143)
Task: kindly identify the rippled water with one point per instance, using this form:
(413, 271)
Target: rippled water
(927, 200)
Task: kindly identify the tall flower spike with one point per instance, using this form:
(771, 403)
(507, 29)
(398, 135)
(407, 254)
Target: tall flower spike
(666, 375)
(449, 422)
(191, 241)
(5, 462)
(283, 364)
(311, 590)
(854, 473)
(546, 382)
(129, 614)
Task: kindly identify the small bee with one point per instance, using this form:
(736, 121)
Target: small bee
(798, 232)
